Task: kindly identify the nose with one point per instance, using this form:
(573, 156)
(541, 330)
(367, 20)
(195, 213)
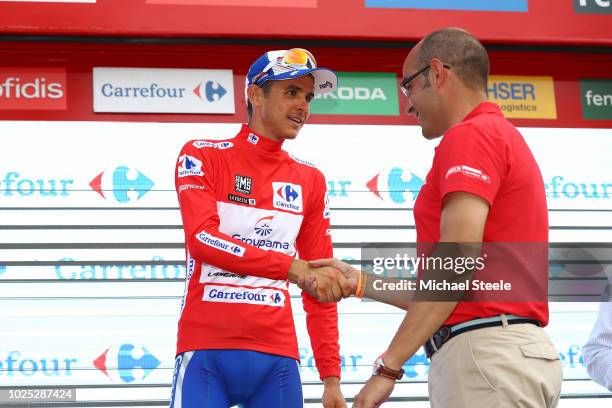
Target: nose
(409, 107)
(305, 104)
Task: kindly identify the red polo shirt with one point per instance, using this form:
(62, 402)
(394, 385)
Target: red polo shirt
(485, 155)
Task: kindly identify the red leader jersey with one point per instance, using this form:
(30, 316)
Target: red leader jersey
(247, 207)
(486, 155)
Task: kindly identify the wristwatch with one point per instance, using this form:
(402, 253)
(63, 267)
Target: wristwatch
(380, 369)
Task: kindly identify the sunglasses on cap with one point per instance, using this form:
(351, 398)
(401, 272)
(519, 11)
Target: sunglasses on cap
(294, 59)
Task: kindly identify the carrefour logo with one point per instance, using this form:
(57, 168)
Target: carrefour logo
(560, 187)
(394, 184)
(16, 184)
(157, 268)
(287, 196)
(288, 193)
(221, 244)
(17, 364)
(212, 91)
(123, 361)
(163, 90)
(254, 296)
(125, 183)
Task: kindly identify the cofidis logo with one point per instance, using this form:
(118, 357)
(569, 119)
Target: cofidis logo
(32, 88)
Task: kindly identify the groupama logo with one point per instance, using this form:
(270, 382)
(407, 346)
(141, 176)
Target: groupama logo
(121, 181)
(262, 226)
(124, 360)
(393, 184)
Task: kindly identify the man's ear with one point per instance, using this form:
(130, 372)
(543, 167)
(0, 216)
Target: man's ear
(254, 93)
(440, 74)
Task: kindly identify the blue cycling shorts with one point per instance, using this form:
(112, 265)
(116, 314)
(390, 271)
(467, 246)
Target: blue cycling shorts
(224, 378)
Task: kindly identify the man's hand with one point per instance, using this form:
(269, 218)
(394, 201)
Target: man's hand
(332, 396)
(350, 274)
(326, 284)
(374, 392)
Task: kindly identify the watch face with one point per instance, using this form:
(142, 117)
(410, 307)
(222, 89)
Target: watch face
(377, 364)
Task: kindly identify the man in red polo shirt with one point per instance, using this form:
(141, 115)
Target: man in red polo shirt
(484, 186)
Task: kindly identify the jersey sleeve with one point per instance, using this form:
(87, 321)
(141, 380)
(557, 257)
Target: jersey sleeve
(197, 176)
(314, 242)
(471, 161)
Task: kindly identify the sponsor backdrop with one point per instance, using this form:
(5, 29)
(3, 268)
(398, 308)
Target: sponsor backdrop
(367, 94)
(92, 224)
(131, 164)
(530, 21)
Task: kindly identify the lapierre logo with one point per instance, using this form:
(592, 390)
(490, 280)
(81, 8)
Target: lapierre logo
(126, 184)
(263, 228)
(230, 294)
(243, 184)
(468, 171)
(32, 89)
(219, 145)
(394, 184)
(212, 91)
(124, 361)
(189, 166)
(287, 196)
(221, 244)
(593, 6)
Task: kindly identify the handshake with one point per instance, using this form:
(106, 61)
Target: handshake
(328, 280)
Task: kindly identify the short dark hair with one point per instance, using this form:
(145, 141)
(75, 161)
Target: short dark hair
(266, 87)
(462, 51)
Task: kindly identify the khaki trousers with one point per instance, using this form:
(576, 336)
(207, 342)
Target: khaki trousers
(510, 366)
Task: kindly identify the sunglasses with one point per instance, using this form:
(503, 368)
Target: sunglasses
(293, 59)
(406, 81)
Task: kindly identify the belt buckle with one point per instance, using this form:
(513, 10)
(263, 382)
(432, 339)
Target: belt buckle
(441, 336)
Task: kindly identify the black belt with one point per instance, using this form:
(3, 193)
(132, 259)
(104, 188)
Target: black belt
(445, 333)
